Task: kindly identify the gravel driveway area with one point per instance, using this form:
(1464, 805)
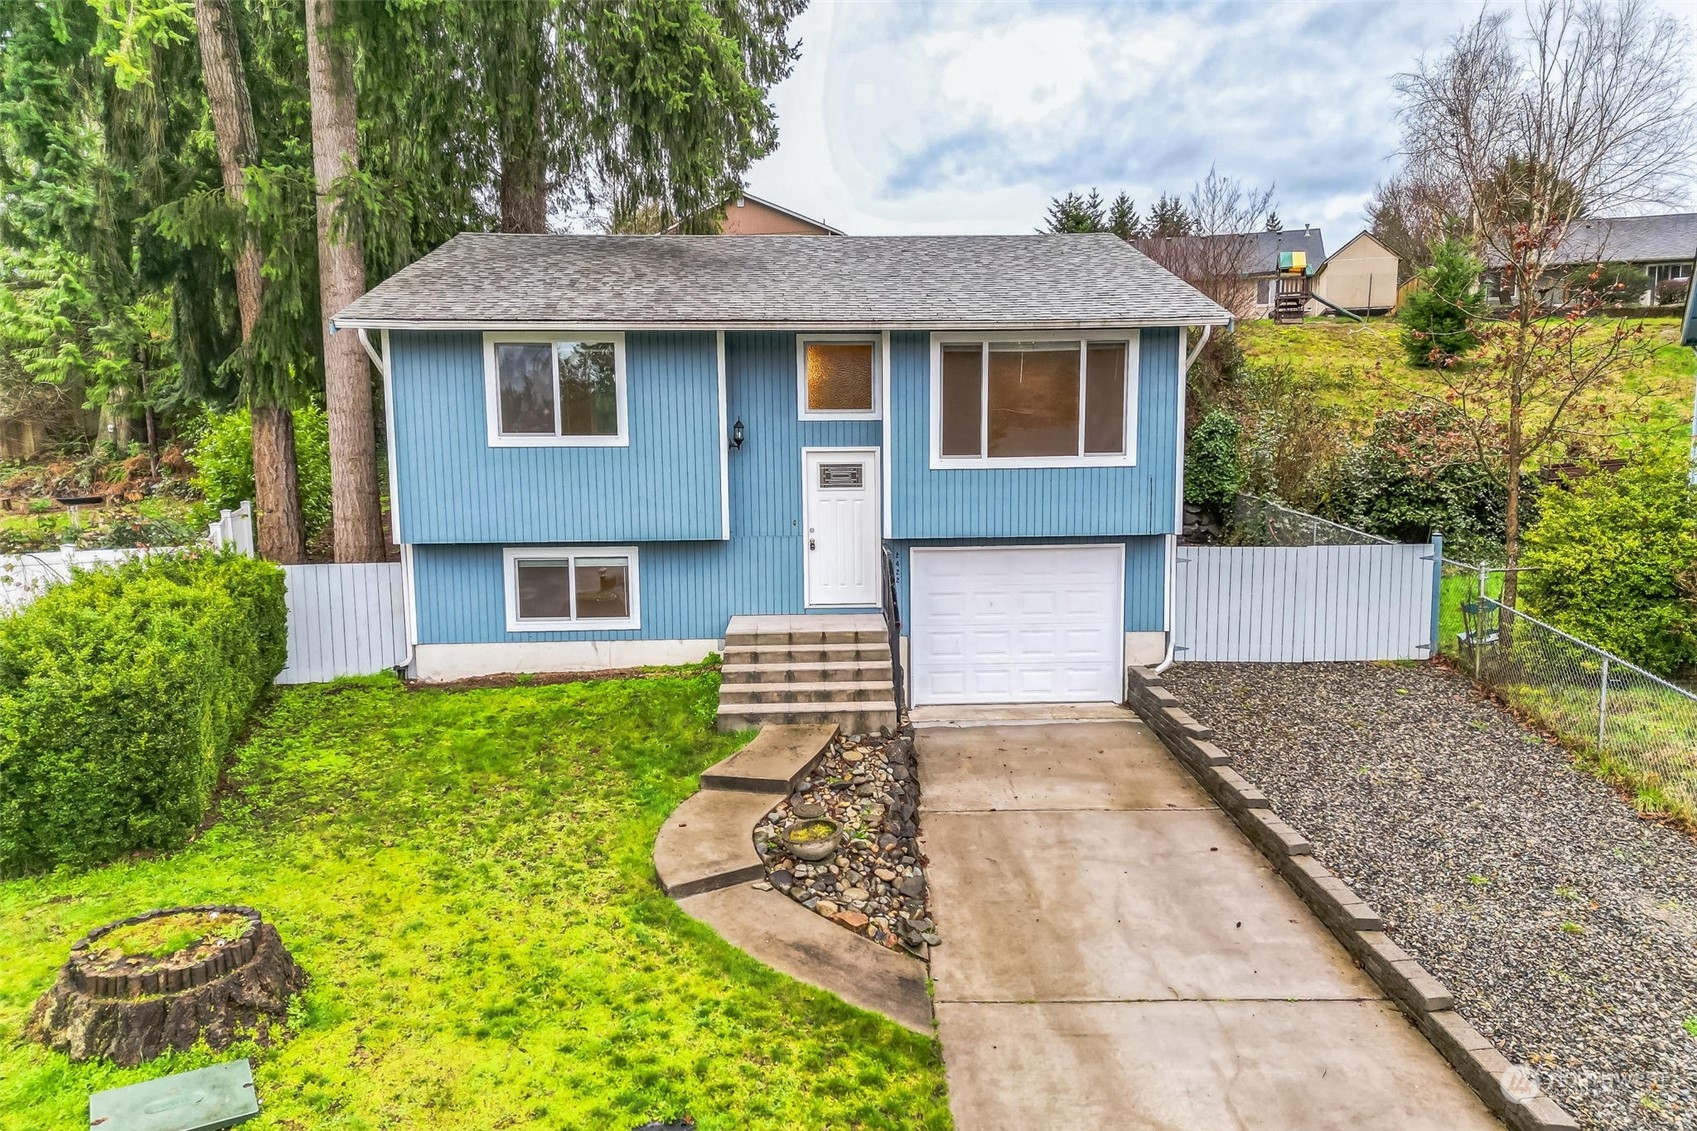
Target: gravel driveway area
(1565, 924)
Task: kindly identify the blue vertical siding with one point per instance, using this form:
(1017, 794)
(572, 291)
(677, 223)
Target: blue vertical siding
(454, 487)
(1033, 502)
(662, 493)
(690, 589)
(765, 473)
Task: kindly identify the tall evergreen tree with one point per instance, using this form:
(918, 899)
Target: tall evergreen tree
(1075, 213)
(1169, 217)
(1274, 224)
(275, 474)
(355, 514)
(1123, 220)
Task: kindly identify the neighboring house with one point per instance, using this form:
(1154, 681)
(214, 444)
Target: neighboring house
(1360, 276)
(1263, 260)
(747, 215)
(602, 448)
(1661, 246)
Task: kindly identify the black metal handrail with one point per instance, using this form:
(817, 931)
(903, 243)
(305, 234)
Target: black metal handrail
(893, 622)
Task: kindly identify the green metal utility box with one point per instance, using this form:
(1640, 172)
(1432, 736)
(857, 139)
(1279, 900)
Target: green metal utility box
(203, 1100)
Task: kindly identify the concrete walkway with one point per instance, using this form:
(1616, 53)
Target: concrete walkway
(1115, 954)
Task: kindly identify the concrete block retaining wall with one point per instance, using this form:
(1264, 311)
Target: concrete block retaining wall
(1355, 924)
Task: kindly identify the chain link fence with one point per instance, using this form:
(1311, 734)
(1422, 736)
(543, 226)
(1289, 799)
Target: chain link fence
(1632, 725)
(1624, 721)
(1261, 522)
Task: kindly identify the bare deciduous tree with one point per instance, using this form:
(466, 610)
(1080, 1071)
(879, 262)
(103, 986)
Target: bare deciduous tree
(1584, 110)
(1410, 216)
(1227, 220)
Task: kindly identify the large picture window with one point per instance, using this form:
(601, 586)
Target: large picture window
(570, 587)
(1035, 400)
(555, 389)
(837, 377)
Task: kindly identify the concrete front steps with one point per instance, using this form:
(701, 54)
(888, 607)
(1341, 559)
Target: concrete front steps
(704, 858)
(832, 668)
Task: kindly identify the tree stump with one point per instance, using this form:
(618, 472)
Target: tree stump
(165, 979)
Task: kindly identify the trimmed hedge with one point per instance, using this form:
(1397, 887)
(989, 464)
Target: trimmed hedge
(121, 691)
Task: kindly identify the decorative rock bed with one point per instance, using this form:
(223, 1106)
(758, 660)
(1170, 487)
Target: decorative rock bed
(1560, 919)
(165, 979)
(874, 883)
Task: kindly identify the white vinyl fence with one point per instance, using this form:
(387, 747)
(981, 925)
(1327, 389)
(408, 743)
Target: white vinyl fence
(1295, 604)
(344, 620)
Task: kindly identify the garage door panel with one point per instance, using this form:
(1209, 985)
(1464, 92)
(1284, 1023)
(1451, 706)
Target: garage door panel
(1017, 624)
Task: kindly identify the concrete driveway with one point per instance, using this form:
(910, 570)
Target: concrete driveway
(1115, 954)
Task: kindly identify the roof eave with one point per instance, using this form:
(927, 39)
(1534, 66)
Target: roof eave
(1220, 318)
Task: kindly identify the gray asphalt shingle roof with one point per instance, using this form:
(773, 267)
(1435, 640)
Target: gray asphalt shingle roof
(1631, 239)
(1269, 244)
(1092, 279)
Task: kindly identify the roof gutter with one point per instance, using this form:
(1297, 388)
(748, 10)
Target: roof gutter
(1178, 505)
(381, 361)
(357, 323)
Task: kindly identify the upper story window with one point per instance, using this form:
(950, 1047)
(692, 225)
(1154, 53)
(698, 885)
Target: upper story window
(1034, 400)
(555, 389)
(837, 377)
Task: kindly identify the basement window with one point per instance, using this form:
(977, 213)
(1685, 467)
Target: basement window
(570, 587)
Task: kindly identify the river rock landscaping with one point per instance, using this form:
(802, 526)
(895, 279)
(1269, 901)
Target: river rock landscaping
(1564, 923)
(874, 884)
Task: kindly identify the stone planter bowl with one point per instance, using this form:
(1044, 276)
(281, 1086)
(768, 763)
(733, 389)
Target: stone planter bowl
(812, 849)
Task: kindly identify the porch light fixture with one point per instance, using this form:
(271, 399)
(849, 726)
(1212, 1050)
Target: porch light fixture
(736, 435)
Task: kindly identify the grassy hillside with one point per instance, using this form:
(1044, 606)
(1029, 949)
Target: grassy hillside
(1364, 372)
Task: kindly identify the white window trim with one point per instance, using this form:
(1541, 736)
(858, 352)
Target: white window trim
(1131, 338)
(805, 413)
(512, 555)
(492, 392)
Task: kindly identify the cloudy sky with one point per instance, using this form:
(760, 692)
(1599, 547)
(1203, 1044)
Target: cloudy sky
(958, 117)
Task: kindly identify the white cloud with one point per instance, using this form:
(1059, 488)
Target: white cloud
(968, 117)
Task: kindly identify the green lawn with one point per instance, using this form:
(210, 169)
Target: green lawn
(465, 876)
(1365, 372)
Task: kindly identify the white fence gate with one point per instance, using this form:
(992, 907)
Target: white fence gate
(344, 619)
(1295, 604)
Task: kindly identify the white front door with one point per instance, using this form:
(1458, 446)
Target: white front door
(841, 545)
(1018, 624)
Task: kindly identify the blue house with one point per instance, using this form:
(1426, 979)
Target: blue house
(602, 449)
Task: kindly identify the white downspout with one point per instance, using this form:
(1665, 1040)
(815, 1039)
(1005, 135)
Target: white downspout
(381, 361)
(1178, 503)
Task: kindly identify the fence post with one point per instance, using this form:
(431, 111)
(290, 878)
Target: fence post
(1603, 705)
(1437, 591)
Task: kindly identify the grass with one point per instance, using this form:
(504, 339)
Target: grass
(1365, 373)
(465, 876)
(166, 935)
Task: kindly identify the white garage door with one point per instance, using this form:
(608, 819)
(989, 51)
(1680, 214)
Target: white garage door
(1025, 624)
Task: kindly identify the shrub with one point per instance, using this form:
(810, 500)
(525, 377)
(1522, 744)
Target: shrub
(1673, 292)
(1611, 559)
(1419, 471)
(1213, 472)
(1295, 440)
(1437, 317)
(120, 693)
(223, 460)
(1610, 284)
